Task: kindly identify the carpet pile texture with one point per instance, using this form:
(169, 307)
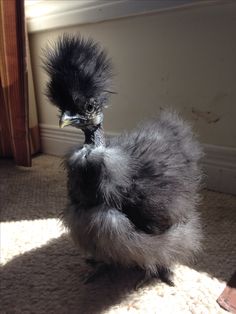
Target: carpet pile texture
(43, 272)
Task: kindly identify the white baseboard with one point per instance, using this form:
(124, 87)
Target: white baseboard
(219, 162)
(219, 165)
(56, 141)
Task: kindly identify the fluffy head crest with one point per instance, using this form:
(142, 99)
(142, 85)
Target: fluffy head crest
(78, 69)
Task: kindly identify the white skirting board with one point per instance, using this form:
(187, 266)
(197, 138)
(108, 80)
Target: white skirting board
(219, 163)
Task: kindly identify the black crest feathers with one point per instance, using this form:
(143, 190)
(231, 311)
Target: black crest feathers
(76, 66)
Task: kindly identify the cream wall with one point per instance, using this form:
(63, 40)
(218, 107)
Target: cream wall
(182, 58)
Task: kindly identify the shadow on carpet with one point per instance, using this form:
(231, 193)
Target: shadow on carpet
(50, 279)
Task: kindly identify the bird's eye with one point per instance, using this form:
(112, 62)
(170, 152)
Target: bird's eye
(89, 108)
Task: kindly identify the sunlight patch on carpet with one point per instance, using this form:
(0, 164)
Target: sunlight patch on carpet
(194, 293)
(18, 237)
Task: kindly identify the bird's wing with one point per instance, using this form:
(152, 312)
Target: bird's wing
(165, 177)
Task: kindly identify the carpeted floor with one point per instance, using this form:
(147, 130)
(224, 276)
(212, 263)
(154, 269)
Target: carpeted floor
(42, 272)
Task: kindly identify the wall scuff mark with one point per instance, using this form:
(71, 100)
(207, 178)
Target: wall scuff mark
(207, 116)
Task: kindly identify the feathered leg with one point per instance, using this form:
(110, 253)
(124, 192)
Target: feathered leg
(99, 270)
(163, 274)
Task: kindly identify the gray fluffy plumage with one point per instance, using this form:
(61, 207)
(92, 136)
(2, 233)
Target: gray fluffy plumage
(133, 201)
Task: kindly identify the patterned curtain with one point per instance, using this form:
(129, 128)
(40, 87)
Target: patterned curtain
(17, 139)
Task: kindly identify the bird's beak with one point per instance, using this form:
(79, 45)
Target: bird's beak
(79, 121)
(66, 120)
(64, 123)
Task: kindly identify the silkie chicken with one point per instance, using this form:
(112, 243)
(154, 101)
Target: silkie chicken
(132, 199)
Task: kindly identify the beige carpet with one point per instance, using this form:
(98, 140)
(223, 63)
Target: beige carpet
(42, 272)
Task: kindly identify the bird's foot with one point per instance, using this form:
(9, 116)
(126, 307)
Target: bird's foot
(96, 274)
(100, 270)
(166, 276)
(143, 281)
(92, 262)
(163, 274)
